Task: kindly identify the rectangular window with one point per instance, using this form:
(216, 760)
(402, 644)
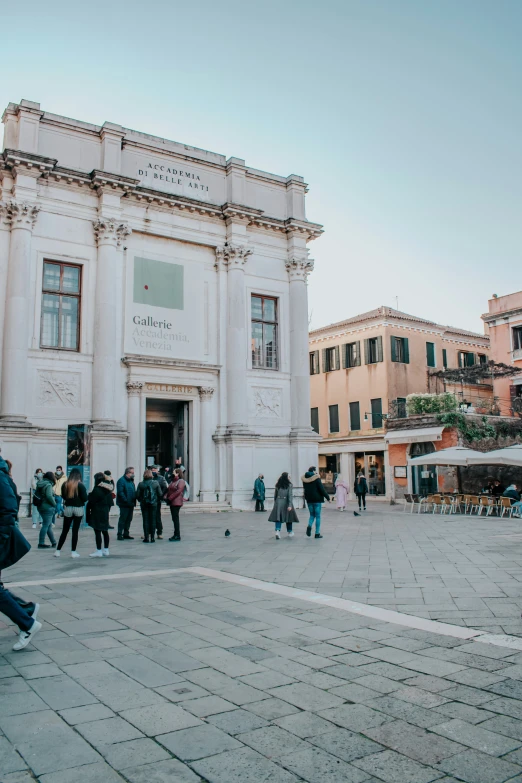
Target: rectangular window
(264, 332)
(331, 359)
(466, 359)
(352, 355)
(401, 407)
(430, 355)
(400, 351)
(314, 419)
(376, 413)
(373, 350)
(483, 359)
(314, 363)
(61, 294)
(517, 338)
(355, 416)
(333, 413)
(444, 357)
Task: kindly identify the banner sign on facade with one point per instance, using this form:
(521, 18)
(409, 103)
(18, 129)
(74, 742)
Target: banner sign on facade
(79, 450)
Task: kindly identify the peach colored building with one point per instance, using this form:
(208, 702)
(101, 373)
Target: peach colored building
(362, 369)
(504, 323)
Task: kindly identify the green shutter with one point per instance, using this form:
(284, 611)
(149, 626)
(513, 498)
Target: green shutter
(444, 357)
(379, 349)
(344, 352)
(337, 358)
(376, 406)
(470, 359)
(393, 342)
(358, 353)
(367, 352)
(460, 358)
(325, 367)
(406, 349)
(430, 354)
(355, 416)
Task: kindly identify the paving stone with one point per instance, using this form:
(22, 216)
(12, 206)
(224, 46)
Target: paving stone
(474, 767)
(38, 671)
(454, 709)
(271, 708)
(87, 714)
(90, 773)
(414, 742)
(510, 688)
(420, 697)
(18, 777)
(239, 721)
(472, 696)
(345, 744)
(403, 710)
(355, 717)
(391, 767)
(160, 719)
(61, 693)
(267, 679)
(10, 760)
(208, 705)
(503, 724)
(354, 692)
(377, 683)
(21, 703)
(145, 671)
(108, 731)
(511, 707)
(46, 742)
(181, 691)
(198, 742)
(315, 765)
(476, 678)
(477, 737)
(133, 753)
(306, 696)
(273, 742)
(305, 724)
(432, 666)
(161, 772)
(429, 683)
(242, 766)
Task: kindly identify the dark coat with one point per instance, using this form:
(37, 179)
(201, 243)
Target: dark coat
(77, 500)
(140, 492)
(283, 500)
(162, 484)
(174, 496)
(513, 494)
(13, 545)
(259, 489)
(360, 486)
(46, 490)
(99, 505)
(314, 491)
(125, 493)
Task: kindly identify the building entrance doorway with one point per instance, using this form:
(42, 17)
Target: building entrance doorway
(166, 434)
(424, 477)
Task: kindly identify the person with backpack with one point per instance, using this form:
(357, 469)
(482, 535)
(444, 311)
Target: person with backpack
(315, 495)
(156, 475)
(99, 504)
(174, 497)
(45, 501)
(74, 496)
(360, 488)
(37, 519)
(148, 494)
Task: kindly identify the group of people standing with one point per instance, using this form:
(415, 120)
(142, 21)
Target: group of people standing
(360, 488)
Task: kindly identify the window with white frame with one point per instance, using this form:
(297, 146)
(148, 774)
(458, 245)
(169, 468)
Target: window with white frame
(264, 332)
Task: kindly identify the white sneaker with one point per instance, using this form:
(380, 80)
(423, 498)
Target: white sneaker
(26, 636)
(98, 553)
(57, 553)
(291, 534)
(75, 554)
(278, 534)
(34, 525)
(105, 552)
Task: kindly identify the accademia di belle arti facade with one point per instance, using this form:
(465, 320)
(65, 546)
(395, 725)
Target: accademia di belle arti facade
(156, 292)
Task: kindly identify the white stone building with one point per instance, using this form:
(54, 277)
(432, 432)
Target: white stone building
(156, 292)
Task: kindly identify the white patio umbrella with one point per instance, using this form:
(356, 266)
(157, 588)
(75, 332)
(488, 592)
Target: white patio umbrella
(456, 455)
(511, 455)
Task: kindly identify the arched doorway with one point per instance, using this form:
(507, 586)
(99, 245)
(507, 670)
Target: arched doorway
(424, 477)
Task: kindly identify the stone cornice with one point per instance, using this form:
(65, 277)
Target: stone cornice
(503, 316)
(27, 163)
(103, 180)
(134, 360)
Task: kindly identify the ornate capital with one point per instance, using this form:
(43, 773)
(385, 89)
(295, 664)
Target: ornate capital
(299, 268)
(205, 392)
(111, 231)
(232, 255)
(134, 388)
(20, 214)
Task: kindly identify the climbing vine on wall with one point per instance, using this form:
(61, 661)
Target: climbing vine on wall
(474, 429)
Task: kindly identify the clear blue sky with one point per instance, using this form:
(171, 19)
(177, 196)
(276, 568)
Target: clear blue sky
(404, 116)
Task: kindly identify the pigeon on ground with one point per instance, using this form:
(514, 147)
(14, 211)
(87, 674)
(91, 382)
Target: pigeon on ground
(356, 514)
(227, 533)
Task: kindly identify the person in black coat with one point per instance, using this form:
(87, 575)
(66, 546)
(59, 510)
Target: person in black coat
(13, 547)
(315, 495)
(74, 496)
(156, 475)
(126, 502)
(360, 488)
(99, 504)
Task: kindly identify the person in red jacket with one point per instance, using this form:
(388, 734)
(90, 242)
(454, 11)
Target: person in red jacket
(174, 498)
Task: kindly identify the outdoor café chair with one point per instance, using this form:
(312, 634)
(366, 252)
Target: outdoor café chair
(474, 504)
(485, 502)
(437, 503)
(505, 505)
(411, 501)
(448, 504)
(425, 503)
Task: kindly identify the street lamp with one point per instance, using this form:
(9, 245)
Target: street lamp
(382, 415)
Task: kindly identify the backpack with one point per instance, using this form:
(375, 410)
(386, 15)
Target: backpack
(37, 499)
(150, 497)
(186, 492)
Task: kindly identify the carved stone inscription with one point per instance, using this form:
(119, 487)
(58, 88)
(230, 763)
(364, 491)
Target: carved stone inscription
(266, 402)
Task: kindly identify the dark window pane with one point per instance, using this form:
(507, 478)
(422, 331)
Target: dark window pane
(71, 280)
(269, 310)
(270, 346)
(376, 412)
(257, 345)
(51, 277)
(50, 309)
(334, 417)
(430, 354)
(355, 416)
(257, 308)
(69, 322)
(314, 419)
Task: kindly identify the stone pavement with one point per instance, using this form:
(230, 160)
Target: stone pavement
(184, 677)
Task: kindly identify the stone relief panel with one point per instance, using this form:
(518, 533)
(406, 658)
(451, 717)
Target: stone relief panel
(266, 402)
(58, 389)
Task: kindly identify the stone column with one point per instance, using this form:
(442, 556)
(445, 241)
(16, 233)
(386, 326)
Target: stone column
(237, 339)
(298, 270)
(22, 217)
(207, 456)
(109, 234)
(134, 453)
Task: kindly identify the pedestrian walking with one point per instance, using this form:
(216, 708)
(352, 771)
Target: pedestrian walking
(315, 495)
(61, 478)
(35, 512)
(46, 501)
(74, 496)
(174, 498)
(259, 493)
(341, 493)
(283, 510)
(148, 494)
(360, 488)
(126, 502)
(13, 487)
(13, 547)
(99, 504)
(109, 480)
(156, 475)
